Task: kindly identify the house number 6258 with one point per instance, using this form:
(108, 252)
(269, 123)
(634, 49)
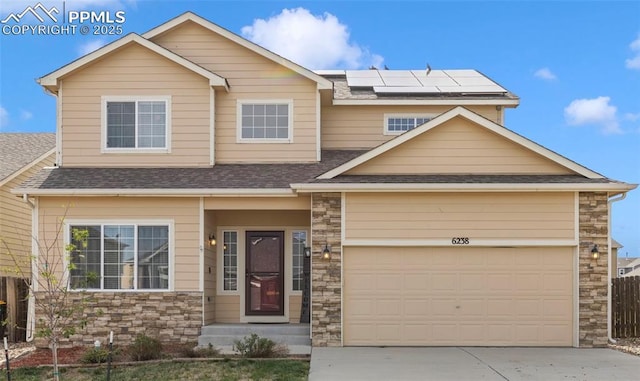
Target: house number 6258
(460, 240)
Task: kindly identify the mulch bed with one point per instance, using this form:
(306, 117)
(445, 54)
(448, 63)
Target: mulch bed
(42, 356)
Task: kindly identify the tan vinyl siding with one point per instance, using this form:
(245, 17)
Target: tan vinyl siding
(183, 211)
(299, 202)
(209, 274)
(227, 308)
(252, 77)
(266, 218)
(362, 127)
(135, 71)
(459, 146)
(475, 215)
(15, 224)
(295, 305)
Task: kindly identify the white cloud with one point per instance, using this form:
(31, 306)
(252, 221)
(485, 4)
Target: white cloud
(632, 117)
(25, 115)
(596, 111)
(90, 46)
(4, 117)
(313, 41)
(634, 63)
(545, 73)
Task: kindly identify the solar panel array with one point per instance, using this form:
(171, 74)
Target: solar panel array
(421, 81)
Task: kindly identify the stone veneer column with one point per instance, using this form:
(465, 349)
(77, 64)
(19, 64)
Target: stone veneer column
(171, 317)
(593, 274)
(326, 282)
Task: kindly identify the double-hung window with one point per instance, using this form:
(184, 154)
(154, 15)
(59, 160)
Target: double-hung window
(397, 124)
(136, 123)
(120, 256)
(265, 121)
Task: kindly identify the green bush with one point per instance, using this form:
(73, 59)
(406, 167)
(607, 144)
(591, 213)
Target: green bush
(145, 348)
(255, 346)
(98, 355)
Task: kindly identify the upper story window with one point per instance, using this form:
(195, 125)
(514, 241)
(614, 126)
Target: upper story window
(397, 124)
(265, 121)
(136, 123)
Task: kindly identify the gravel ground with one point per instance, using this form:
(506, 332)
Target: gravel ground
(631, 345)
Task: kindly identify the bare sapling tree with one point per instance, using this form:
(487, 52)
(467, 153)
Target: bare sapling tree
(59, 309)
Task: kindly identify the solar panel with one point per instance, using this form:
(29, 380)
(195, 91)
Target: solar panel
(462, 81)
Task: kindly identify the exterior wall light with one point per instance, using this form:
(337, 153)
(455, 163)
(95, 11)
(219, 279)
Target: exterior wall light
(326, 253)
(307, 251)
(594, 252)
(212, 239)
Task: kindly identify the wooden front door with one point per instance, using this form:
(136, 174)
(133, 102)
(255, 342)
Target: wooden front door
(264, 273)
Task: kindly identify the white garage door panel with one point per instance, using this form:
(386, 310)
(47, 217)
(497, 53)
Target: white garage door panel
(458, 296)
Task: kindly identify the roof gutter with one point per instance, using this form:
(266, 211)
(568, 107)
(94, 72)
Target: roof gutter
(609, 299)
(460, 187)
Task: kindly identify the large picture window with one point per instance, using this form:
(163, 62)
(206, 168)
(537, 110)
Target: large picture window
(264, 121)
(120, 257)
(136, 124)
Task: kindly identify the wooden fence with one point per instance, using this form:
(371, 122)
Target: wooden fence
(625, 306)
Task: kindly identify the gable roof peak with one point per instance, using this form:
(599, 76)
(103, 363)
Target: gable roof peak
(323, 83)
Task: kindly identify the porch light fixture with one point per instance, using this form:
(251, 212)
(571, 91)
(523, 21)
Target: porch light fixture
(594, 252)
(307, 251)
(212, 239)
(326, 253)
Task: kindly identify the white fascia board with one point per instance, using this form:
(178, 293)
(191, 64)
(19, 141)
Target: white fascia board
(465, 187)
(244, 192)
(51, 79)
(480, 120)
(427, 102)
(26, 167)
(322, 82)
(475, 242)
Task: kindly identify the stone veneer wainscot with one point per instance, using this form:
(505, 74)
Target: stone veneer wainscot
(326, 283)
(172, 317)
(593, 274)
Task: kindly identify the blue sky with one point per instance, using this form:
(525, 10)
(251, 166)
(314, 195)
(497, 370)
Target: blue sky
(574, 64)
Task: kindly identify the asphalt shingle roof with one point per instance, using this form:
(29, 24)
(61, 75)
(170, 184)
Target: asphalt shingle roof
(220, 176)
(20, 149)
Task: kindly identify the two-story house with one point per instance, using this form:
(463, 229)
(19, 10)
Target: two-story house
(203, 166)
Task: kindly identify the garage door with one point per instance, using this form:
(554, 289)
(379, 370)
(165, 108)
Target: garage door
(458, 296)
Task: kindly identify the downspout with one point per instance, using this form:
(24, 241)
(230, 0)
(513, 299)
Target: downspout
(611, 201)
(31, 308)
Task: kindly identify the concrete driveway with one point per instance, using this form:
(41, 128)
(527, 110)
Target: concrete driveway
(459, 364)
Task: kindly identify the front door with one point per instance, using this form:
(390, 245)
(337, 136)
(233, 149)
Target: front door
(265, 273)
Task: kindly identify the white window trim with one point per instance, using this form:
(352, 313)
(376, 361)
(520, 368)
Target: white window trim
(151, 98)
(172, 264)
(385, 122)
(240, 102)
(220, 263)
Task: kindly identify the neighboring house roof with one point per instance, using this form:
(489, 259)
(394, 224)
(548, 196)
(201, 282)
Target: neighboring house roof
(478, 119)
(323, 83)
(50, 80)
(20, 151)
(344, 94)
(223, 177)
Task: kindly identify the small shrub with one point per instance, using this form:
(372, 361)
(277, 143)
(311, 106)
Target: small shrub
(98, 355)
(145, 348)
(255, 346)
(197, 352)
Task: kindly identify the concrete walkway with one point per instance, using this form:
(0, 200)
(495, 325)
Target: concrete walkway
(459, 364)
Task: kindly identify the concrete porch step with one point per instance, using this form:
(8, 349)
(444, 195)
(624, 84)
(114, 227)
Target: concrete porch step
(223, 336)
